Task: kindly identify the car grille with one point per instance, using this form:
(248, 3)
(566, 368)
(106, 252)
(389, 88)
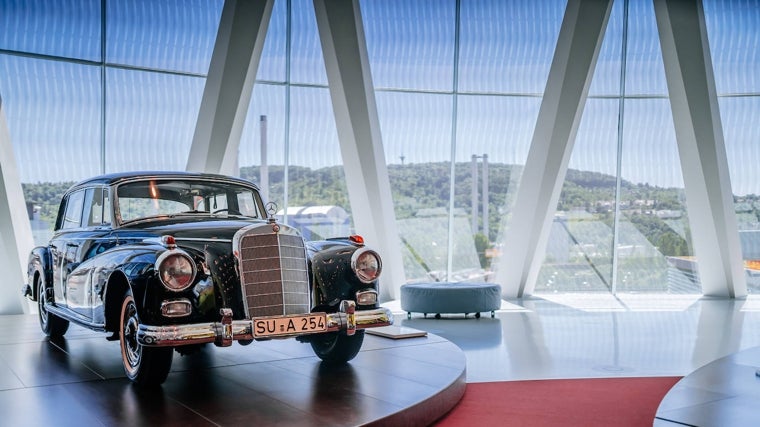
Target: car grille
(273, 272)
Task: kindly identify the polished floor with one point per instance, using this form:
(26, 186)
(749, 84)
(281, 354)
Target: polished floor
(723, 393)
(713, 343)
(551, 336)
(588, 336)
(78, 381)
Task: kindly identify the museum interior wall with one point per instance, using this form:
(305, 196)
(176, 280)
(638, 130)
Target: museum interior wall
(553, 146)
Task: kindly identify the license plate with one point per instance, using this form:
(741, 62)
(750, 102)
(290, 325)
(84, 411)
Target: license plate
(289, 325)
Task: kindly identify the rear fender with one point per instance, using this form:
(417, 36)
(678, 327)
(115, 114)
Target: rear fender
(40, 264)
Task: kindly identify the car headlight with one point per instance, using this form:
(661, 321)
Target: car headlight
(366, 264)
(176, 270)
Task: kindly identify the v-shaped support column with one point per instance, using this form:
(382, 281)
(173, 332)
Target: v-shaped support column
(578, 45)
(353, 100)
(16, 239)
(234, 62)
(699, 133)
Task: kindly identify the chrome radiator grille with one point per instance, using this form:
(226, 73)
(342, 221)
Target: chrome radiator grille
(273, 273)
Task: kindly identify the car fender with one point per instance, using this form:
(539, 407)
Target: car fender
(118, 270)
(40, 262)
(333, 278)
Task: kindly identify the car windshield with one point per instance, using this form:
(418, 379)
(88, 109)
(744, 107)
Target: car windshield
(173, 197)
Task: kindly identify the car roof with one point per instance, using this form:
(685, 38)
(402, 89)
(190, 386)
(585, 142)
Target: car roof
(115, 178)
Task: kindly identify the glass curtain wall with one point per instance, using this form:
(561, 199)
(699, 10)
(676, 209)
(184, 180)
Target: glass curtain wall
(732, 29)
(458, 88)
(411, 54)
(290, 140)
(97, 86)
(621, 223)
(93, 86)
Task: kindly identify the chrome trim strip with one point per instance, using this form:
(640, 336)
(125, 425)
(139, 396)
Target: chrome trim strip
(75, 318)
(174, 335)
(198, 239)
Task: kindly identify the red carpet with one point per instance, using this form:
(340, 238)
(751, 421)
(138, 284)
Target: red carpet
(578, 402)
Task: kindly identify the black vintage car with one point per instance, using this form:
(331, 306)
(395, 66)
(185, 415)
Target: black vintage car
(174, 260)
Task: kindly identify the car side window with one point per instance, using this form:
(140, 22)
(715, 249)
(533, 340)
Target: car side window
(73, 216)
(99, 208)
(106, 207)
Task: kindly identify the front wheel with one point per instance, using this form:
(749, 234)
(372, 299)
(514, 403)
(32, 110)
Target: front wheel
(148, 366)
(52, 325)
(337, 347)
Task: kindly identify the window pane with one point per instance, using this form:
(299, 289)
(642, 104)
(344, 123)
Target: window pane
(507, 46)
(654, 243)
(579, 251)
(53, 114)
(318, 197)
(606, 79)
(497, 130)
(416, 131)
(645, 71)
(741, 127)
(410, 43)
(307, 63)
(313, 136)
(63, 28)
(272, 64)
(739, 115)
(150, 119)
(265, 121)
(176, 35)
(734, 40)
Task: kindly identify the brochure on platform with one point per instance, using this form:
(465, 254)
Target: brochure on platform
(396, 332)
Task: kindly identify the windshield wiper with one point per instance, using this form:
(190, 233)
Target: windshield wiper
(191, 212)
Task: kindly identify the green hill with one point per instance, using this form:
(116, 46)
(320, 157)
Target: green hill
(423, 190)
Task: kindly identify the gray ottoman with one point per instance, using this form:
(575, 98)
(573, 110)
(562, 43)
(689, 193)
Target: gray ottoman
(450, 297)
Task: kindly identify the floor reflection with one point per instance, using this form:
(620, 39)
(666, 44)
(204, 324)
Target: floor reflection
(585, 336)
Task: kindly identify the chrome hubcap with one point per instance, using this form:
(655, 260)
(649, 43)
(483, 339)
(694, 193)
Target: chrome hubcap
(41, 300)
(131, 346)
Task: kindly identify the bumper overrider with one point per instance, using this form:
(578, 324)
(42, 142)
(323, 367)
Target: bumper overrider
(224, 332)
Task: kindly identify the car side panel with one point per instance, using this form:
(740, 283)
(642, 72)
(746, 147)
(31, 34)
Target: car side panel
(135, 262)
(79, 284)
(62, 252)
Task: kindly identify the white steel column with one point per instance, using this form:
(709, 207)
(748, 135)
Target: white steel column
(16, 239)
(699, 133)
(234, 62)
(353, 98)
(578, 45)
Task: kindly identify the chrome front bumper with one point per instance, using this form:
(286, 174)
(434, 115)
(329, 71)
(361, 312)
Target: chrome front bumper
(222, 333)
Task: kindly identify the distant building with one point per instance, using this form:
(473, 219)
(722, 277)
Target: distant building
(42, 231)
(683, 275)
(750, 241)
(318, 222)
